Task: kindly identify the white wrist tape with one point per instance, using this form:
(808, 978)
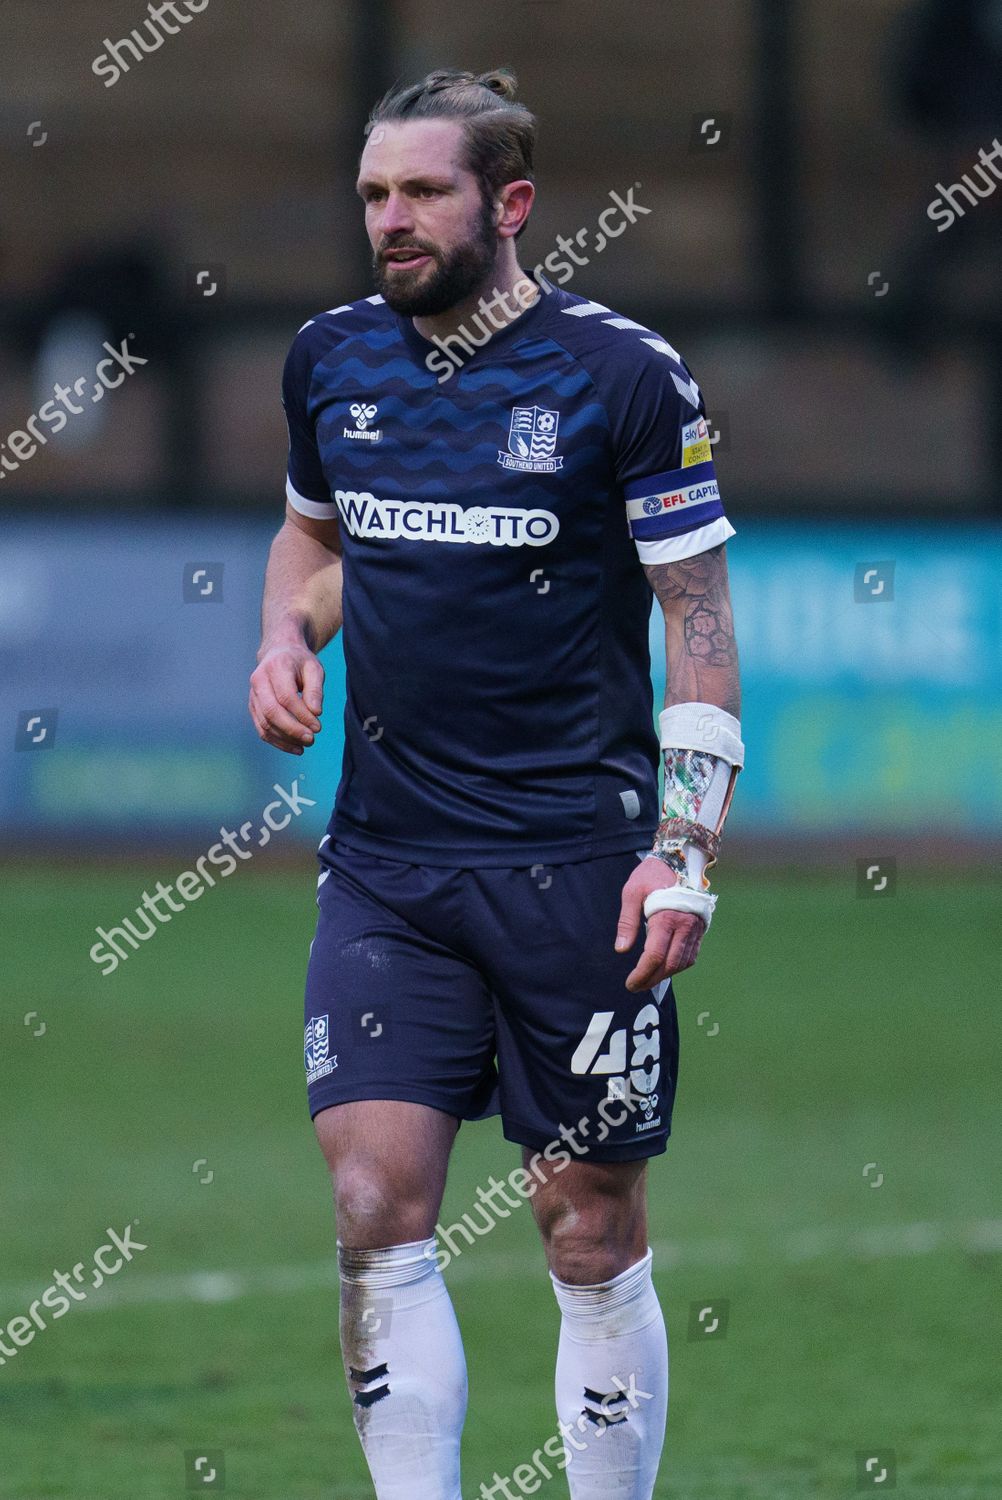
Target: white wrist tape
(681, 898)
(705, 727)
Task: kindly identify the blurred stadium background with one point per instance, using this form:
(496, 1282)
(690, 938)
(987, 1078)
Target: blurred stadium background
(842, 1025)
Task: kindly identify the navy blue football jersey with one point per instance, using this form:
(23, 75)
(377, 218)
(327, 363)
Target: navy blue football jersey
(494, 521)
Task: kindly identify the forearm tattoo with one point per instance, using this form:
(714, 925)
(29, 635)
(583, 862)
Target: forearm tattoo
(702, 664)
(702, 653)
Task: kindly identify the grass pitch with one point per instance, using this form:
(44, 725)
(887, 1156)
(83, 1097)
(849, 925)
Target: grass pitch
(833, 1179)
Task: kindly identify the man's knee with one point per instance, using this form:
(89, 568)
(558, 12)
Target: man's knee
(594, 1225)
(591, 1245)
(376, 1207)
(388, 1162)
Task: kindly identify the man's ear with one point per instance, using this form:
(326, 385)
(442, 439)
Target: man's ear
(514, 206)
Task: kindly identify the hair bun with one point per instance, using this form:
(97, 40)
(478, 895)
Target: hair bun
(501, 82)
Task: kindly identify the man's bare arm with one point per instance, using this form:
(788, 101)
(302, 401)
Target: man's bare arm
(302, 585)
(700, 649)
(300, 614)
(702, 668)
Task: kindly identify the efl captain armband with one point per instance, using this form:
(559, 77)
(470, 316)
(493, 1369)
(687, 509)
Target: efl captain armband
(703, 754)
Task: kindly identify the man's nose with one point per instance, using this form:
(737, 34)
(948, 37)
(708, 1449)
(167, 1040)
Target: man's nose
(397, 216)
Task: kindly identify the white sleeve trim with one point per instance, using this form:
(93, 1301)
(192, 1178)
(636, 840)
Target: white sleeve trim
(319, 510)
(668, 549)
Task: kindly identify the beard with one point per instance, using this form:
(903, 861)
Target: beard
(430, 290)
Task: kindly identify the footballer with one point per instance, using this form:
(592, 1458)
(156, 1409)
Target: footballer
(489, 476)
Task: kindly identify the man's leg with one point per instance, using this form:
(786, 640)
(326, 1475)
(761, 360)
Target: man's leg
(400, 1342)
(612, 1359)
(574, 1045)
(399, 1046)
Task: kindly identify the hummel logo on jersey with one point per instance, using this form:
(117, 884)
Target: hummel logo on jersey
(363, 416)
(319, 1062)
(532, 439)
(433, 521)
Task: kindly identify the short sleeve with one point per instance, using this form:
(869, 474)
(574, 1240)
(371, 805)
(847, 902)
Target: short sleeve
(664, 462)
(307, 488)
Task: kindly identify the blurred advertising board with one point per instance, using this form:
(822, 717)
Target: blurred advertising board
(872, 677)
(870, 660)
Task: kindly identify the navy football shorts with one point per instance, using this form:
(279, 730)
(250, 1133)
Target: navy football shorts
(486, 991)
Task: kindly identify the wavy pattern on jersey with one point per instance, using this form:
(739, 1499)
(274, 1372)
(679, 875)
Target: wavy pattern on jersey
(588, 420)
(363, 461)
(351, 370)
(528, 495)
(394, 408)
(359, 322)
(346, 330)
(591, 420)
(525, 386)
(359, 363)
(484, 456)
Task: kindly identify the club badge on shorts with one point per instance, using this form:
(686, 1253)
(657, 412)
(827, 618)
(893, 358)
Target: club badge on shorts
(317, 1049)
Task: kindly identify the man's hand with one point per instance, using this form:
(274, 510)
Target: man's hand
(287, 696)
(673, 937)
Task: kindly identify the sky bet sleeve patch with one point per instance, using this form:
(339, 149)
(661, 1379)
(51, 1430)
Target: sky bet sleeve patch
(696, 447)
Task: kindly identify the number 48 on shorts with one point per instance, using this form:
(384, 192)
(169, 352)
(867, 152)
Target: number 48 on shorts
(603, 1055)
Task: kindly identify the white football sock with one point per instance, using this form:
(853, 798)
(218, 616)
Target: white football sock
(612, 1384)
(403, 1358)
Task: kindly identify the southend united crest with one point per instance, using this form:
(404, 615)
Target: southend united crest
(317, 1049)
(532, 440)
